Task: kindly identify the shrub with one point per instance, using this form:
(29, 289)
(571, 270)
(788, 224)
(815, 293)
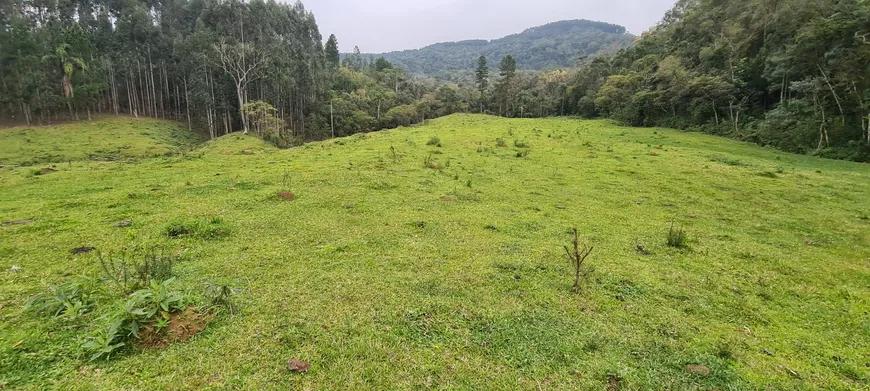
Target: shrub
(521, 144)
(499, 142)
(72, 297)
(435, 141)
(144, 304)
(429, 163)
(220, 296)
(729, 161)
(676, 237)
(106, 342)
(197, 227)
(153, 304)
(132, 270)
(523, 153)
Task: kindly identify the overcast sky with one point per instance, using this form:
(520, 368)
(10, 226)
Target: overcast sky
(385, 25)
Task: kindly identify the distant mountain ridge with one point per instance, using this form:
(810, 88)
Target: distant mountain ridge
(553, 45)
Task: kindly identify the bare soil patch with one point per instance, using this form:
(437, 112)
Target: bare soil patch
(182, 327)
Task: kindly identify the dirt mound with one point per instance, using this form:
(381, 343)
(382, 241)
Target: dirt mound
(286, 195)
(181, 328)
(298, 366)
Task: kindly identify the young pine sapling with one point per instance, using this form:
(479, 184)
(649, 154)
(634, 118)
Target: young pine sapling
(576, 259)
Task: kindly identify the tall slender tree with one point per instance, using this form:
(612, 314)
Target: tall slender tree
(333, 59)
(482, 78)
(507, 72)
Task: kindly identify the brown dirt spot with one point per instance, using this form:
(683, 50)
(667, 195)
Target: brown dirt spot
(286, 195)
(448, 198)
(298, 366)
(698, 369)
(18, 222)
(81, 250)
(614, 383)
(347, 206)
(182, 327)
(46, 170)
(247, 152)
(124, 223)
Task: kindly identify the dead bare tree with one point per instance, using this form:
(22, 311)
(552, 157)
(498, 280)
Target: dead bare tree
(242, 62)
(576, 259)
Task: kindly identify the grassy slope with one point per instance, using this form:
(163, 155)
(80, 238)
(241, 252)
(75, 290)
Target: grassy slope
(775, 285)
(110, 137)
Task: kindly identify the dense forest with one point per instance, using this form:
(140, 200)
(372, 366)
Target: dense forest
(790, 74)
(218, 65)
(551, 46)
(195, 61)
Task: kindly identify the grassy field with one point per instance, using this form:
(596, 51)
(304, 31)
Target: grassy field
(110, 138)
(403, 264)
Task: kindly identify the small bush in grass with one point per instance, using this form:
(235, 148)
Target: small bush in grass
(197, 227)
(430, 163)
(106, 342)
(286, 183)
(220, 297)
(150, 305)
(729, 161)
(499, 142)
(523, 153)
(676, 237)
(71, 298)
(136, 269)
(521, 144)
(434, 141)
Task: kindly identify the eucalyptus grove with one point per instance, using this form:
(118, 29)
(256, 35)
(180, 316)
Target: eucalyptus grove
(195, 61)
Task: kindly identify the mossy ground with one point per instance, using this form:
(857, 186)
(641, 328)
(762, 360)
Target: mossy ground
(385, 273)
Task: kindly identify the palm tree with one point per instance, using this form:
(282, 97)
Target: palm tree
(69, 63)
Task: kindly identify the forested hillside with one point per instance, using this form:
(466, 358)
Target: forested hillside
(792, 74)
(195, 61)
(555, 45)
(217, 65)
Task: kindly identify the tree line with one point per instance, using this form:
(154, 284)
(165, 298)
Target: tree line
(218, 65)
(790, 74)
